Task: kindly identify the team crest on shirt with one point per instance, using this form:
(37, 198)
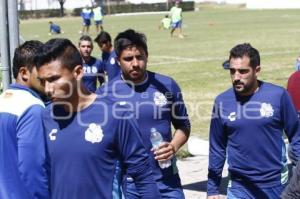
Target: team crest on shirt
(160, 99)
(94, 133)
(266, 110)
(232, 116)
(112, 61)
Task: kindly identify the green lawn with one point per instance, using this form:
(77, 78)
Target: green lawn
(195, 62)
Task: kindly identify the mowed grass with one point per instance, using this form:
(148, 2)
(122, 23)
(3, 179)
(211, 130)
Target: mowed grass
(195, 61)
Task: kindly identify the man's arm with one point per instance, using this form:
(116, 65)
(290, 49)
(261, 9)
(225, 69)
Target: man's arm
(31, 152)
(100, 72)
(181, 123)
(168, 149)
(217, 153)
(136, 159)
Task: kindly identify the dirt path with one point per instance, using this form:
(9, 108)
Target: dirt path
(193, 173)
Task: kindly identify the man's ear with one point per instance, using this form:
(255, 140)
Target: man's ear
(78, 72)
(257, 70)
(23, 74)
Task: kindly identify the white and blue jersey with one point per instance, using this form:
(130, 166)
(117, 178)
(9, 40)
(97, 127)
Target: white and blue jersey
(158, 103)
(22, 145)
(93, 71)
(110, 65)
(86, 15)
(250, 130)
(84, 148)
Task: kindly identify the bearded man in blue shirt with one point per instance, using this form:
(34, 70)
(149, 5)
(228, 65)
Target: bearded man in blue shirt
(247, 127)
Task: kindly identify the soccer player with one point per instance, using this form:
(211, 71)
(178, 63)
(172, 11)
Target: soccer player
(165, 22)
(92, 67)
(157, 103)
(54, 28)
(176, 18)
(22, 148)
(110, 64)
(86, 15)
(98, 17)
(86, 134)
(247, 127)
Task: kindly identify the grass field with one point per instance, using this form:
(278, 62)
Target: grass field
(195, 61)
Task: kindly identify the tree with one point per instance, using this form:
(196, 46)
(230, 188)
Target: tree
(61, 3)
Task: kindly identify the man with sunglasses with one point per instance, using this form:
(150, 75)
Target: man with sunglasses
(247, 127)
(157, 103)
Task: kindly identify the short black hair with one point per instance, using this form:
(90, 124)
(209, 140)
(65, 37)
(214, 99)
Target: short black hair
(85, 38)
(24, 56)
(103, 37)
(245, 49)
(130, 38)
(59, 49)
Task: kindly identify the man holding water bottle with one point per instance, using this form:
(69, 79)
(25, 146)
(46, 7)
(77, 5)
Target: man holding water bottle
(157, 103)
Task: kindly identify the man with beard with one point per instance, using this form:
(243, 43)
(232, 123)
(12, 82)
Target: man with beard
(247, 127)
(158, 105)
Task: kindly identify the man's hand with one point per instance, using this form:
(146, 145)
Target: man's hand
(165, 151)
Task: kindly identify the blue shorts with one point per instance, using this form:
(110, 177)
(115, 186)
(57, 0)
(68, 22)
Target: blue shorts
(98, 22)
(177, 24)
(170, 187)
(86, 22)
(243, 191)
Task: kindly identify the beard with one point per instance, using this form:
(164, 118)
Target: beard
(242, 88)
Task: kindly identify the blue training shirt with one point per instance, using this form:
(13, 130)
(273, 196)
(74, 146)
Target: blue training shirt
(93, 71)
(22, 145)
(84, 148)
(158, 103)
(250, 130)
(110, 65)
(54, 28)
(86, 14)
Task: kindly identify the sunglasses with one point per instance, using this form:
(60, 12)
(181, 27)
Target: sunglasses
(130, 58)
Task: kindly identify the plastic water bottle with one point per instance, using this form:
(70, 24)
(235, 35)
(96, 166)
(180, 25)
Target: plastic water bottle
(156, 139)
